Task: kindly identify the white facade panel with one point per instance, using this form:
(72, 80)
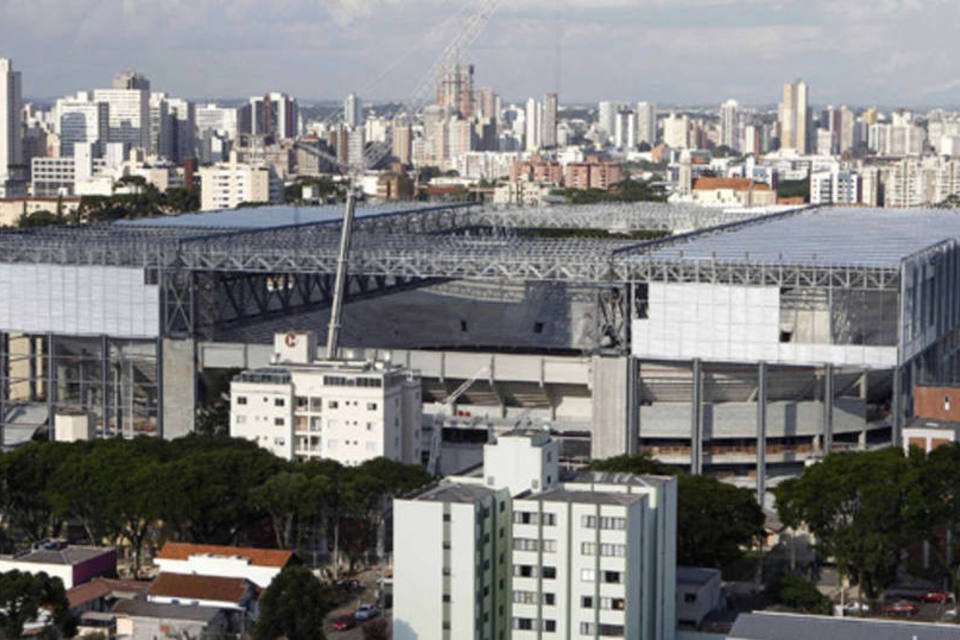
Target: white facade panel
(78, 300)
(726, 323)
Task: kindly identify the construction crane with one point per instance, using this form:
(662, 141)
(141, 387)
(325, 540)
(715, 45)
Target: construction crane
(377, 151)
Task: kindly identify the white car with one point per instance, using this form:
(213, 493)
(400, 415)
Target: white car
(854, 607)
(367, 612)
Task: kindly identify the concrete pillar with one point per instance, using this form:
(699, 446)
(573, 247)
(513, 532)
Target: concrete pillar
(696, 417)
(761, 431)
(178, 373)
(828, 393)
(633, 405)
(32, 368)
(160, 393)
(51, 386)
(608, 384)
(4, 380)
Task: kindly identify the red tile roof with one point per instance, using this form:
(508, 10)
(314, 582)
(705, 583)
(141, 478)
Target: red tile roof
(257, 557)
(191, 587)
(737, 184)
(100, 587)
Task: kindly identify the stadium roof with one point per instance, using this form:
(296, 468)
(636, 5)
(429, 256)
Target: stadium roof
(856, 237)
(271, 217)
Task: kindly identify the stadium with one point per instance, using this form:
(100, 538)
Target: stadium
(741, 339)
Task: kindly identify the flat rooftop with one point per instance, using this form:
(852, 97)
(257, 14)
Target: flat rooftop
(785, 626)
(454, 492)
(825, 236)
(587, 497)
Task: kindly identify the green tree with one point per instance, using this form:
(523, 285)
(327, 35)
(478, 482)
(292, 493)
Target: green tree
(293, 607)
(940, 481)
(864, 508)
(21, 597)
(25, 473)
(42, 218)
(284, 496)
(181, 200)
(801, 595)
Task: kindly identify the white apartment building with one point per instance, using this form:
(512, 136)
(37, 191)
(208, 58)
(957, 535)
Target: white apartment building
(647, 123)
(228, 185)
(348, 411)
(834, 187)
(221, 120)
(530, 550)
(730, 124)
(676, 131)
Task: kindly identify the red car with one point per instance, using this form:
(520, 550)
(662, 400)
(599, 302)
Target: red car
(344, 622)
(936, 596)
(901, 608)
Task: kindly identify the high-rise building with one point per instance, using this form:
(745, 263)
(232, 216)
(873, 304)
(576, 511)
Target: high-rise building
(183, 126)
(11, 135)
(79, 120)
(532, 122)
(625, 129)
(129, 110)
(160, 129)
(352, 111)
(795, 118)
(730, 125)
(455, 90)
(676, 131)
(487, 104)
(274, 114)
(228, 185)
(402, 143)
(647, 123)
(548, 136)
(222, 120)
(607, 117)
(524, 549)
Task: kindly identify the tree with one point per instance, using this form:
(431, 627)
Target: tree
(715, 520)
(293, 607)
(42, 218)
(21, 597)
(376, 629)
(940, 481)
(283, 496)
(802, 595)
(864, 507)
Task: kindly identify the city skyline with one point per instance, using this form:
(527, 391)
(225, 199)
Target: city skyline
(851, 52)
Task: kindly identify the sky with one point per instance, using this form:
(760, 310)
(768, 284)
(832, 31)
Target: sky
(858, 52)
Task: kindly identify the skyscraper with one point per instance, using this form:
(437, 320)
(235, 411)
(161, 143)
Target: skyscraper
(625, 129)
(129, 110)
(275, 114)
(352, 113)
(647, 123)
(730, 124)
(455, 90)
(607, 117)
(532, 125)
(548, 137)
(11, 141)
(795, 117)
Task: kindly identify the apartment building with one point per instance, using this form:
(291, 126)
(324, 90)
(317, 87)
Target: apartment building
(228, 185)
(344, 410)
(531, 550)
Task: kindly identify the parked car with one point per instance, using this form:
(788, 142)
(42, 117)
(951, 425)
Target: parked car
(344, 622)
(937, 596)
(855, 608)
(901, 608)
(367, 612)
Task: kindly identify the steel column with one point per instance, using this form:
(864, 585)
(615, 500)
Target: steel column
(828, 392)
(104, 385)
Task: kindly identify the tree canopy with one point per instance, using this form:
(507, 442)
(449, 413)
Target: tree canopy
(21, 597)
(293, 607)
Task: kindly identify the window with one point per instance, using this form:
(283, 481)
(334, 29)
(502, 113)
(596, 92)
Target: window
(526, 544)
(279, 402)
(279, 442)
(603, 630)
(525, 624)
(302, 402)
(549, 625)
(278, 422)
(524, 517)
(586, 602)
(240, 419)
(463, 325)
(538, 327)
(549, 599)
(524, 597)
(333, 404)
(241, 399)
(588, 548)
(446, 517)
(587, 575)
(524, 571)
(549, 573)
(549, 546)
(604, 522)
(316, 404)
(371, 406)
(689, 598)
(611, 577)
(548, 519)
(446, 597)
(613, 550)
